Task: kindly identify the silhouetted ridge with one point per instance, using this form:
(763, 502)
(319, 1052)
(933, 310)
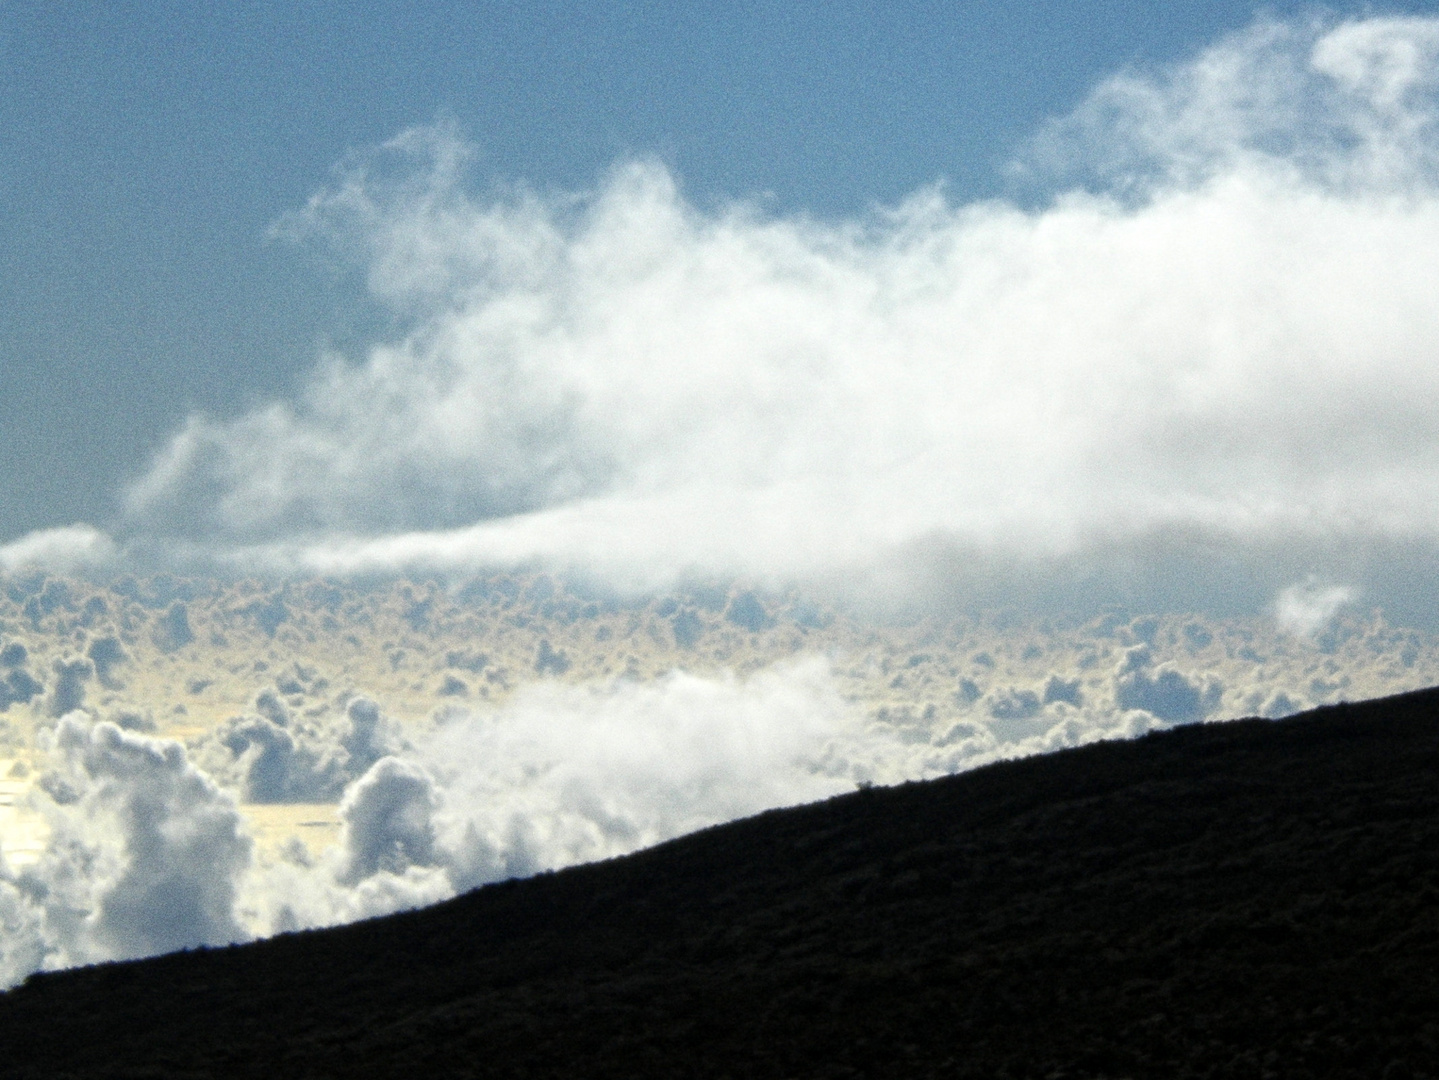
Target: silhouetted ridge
(1257, 898)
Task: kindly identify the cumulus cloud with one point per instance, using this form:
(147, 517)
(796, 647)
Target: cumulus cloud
(271, 758)
(147, 853)
(570, 773)
(1163, 690)
(17, 685)
(148, 849)
(1306, 608)
(389, 820)
(107, 653)
(144, 855)
(77, 547)
(1216, 355)
(567, 773)
(68, 691)
(172, 630)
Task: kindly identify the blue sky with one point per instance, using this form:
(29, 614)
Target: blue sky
(146, 149)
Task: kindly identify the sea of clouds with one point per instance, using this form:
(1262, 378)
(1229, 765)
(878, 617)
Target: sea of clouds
(1190, 366)
(149, 850)
(150, 842)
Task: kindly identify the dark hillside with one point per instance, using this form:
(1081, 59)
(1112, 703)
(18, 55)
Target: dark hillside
(1240, 900)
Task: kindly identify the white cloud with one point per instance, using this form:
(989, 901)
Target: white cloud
(147, 854)
(147, 848)
(1163, 691)
(75, 547)
(570, 774)
(622, 382)
(1345, 107)
(389, 820)
(1306, 608)
(274, 757)
(22, 935)
(144, 855)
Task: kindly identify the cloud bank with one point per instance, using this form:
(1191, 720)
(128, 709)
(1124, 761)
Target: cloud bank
(1201, 366)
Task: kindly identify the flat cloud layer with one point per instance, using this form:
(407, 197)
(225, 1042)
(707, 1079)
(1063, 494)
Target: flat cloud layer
(189, 762)
(1202, 368)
